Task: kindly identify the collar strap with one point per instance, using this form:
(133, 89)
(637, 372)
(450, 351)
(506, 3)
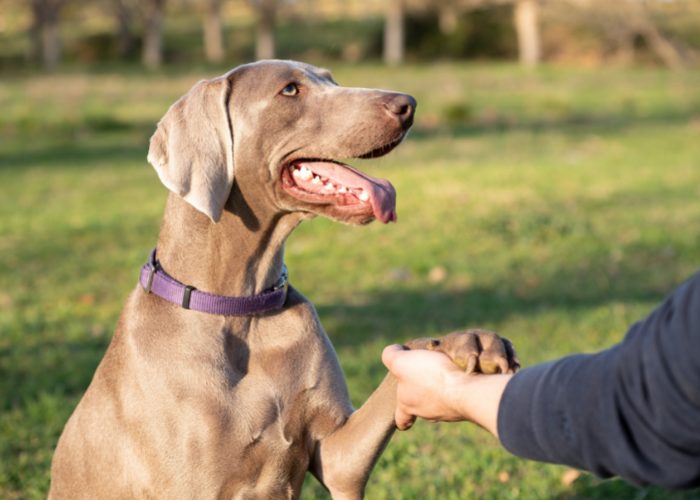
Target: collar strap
(155, 280)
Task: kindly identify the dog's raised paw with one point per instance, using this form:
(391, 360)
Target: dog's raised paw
(474, 350)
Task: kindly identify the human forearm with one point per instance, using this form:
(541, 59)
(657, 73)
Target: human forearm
(480, 398)
(632, 410)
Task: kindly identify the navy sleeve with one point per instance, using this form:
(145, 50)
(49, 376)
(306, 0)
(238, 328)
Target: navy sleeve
(632, 410)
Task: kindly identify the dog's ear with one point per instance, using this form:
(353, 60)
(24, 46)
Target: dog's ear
(192, 148)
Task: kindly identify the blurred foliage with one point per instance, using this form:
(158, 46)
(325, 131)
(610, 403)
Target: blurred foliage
(323, 30)
(484, 33)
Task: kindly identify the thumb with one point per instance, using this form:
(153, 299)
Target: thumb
(390, 353)
(403, 420)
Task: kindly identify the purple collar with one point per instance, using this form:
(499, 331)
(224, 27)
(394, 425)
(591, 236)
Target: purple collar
(155, 280)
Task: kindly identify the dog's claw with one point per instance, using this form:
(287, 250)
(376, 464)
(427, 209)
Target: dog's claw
(470, 366)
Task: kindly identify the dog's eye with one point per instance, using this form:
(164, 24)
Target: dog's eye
(290, 90)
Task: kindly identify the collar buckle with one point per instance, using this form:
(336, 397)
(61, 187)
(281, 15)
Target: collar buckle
(151, 266)
(283, 281)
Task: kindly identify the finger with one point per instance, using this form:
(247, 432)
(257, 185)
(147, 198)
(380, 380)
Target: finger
(390, 353)
(404, 421)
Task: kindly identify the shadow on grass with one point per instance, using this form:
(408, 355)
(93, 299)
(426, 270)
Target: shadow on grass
(72, 156)
(399, 315)
(573, 122)
(77, 145)
(402, 315)
(83, 151)
(62, 367)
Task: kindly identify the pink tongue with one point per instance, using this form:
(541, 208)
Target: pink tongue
(382, 195)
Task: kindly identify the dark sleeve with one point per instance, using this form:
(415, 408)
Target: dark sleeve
(632, 410)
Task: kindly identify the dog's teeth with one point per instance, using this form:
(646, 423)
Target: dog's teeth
(316, 180)
(304, 173)
(328, 188)
(342, 190)
(363, 196)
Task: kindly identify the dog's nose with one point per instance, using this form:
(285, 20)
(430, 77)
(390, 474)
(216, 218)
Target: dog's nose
(402, 106)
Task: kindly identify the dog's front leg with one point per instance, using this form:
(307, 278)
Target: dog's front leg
(344, 459)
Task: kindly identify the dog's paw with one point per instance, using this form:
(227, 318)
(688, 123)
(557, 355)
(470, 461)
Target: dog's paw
(475, 350)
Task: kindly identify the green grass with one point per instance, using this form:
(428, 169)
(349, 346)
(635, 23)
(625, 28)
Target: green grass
(560, 206)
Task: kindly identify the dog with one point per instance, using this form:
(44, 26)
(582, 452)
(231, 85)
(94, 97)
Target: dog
(220, 381)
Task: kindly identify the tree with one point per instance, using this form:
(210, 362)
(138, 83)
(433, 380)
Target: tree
(266, 11)
(394, 32)
(525, 16)
(152, 54)
(213, 31)
(525, 20)
(124, 12)
(526, 24)
(46, 40)
(622, 23)
(448, 17)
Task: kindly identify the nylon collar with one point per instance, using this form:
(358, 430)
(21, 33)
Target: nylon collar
(155, 280)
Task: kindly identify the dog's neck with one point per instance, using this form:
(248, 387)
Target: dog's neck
(241, 255)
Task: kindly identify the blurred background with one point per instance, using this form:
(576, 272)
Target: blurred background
(549, 190)
(47, 33)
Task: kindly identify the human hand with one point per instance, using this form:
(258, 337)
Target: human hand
(426, 384)
(431, 386)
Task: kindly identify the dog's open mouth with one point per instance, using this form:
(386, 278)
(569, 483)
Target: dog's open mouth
(328, 182)
(332, 183)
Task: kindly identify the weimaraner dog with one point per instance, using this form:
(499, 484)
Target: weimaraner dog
(228, 387)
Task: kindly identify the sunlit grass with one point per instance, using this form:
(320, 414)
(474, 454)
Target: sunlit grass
(557, 207)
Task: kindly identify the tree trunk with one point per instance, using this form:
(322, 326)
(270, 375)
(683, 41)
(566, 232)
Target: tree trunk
(448, 17)
(46, 39)
(526, 26)
(265, 42)
(126, 42)
(394, 32)
(213, 32)
(152, 55)
(662, 47)
(51, 41)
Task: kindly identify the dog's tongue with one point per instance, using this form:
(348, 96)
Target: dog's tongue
(382, 195)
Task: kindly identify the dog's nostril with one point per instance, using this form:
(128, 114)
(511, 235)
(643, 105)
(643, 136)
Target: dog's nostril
(399, 108)
(402, 106)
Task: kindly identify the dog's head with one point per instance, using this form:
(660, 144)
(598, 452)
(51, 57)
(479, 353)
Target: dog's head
(282, 128)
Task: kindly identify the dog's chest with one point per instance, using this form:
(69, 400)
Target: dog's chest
(280, 399)
(260, 410)
(264, 400)
(269, 419)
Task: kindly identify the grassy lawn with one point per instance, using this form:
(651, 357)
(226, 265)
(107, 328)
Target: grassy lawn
(556, 207)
